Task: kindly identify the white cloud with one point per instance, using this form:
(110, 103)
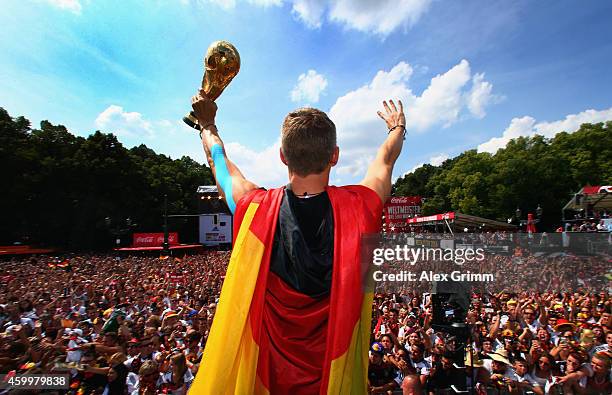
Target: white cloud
(230, 4)
(225, 4)
(360, 131)
(438, 159)
(357, 165)
(262, 167)
(133, 129)
(480, 96)
(125, 124)
(527, 126)
(435, 160)
(309, 86)
(266, 3)
(442, 101)
(310, 12)
(73, 6)
(380, 17)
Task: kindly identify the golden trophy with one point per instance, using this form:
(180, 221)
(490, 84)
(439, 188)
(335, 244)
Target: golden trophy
(221, 64)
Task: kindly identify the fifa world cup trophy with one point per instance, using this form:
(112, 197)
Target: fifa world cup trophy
(221, 64)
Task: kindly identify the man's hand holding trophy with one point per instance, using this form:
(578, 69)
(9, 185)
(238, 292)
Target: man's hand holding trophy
(221, 64)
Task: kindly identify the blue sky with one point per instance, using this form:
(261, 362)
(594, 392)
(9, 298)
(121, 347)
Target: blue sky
(472, 74)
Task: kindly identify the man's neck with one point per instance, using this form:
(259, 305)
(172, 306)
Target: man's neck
(310, 185)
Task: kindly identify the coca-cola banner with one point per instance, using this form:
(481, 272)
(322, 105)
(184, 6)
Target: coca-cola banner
(398, 209)
(154, 239)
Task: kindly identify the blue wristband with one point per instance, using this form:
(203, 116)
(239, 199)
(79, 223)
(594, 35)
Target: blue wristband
(222, 174)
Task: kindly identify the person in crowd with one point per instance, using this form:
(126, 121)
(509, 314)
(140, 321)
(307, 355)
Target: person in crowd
(412, 385)
(421, 365)
(401, 360)
(599, 382)
(500, 369)
(444, 375)
(178, 377)
(148, 380)
(575, 373)
(381, 374)
(522, 382)
(544, 371)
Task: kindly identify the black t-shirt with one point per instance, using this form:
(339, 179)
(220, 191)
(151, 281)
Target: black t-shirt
(445, 378)
(92, 382)
(303, 246)
(311, 213)
(381, 374)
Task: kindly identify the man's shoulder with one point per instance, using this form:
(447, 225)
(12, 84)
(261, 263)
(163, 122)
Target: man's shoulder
(361, 190)
(255, 196)
(367, 196)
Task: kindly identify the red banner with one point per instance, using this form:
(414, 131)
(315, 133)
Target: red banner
(399, 209)
(153, 239)
(175, 277)
(432, 218)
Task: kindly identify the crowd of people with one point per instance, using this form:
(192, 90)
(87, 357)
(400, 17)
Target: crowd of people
(587, 226)
(514, 343)
(138, 325)
(117, 325)
(541, 325)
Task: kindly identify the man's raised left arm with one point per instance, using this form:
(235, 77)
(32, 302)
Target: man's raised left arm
(378, 176)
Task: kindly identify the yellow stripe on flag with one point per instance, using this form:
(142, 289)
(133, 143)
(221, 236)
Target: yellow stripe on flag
(349, 373)
(229, 365)
(245, 366)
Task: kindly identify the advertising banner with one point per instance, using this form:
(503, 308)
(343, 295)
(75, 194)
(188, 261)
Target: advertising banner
(398, 209)
(432, 218)
(215, 229)
(153, 239)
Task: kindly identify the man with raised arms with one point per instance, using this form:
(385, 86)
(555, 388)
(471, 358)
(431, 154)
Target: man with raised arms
(293, 315)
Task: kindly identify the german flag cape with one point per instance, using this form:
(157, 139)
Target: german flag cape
(267, 338)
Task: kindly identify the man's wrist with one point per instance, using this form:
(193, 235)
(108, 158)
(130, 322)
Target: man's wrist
(211, 128)
(398, 127)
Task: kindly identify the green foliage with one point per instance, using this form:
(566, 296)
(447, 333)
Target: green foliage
(62, 187)
(527, 172)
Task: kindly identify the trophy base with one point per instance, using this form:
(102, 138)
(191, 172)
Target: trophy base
(191, 120)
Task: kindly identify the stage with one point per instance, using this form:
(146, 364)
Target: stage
(24, 250)
(175, 247)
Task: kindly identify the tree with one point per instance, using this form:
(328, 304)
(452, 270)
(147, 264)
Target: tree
(528, 172)
(63, 186)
